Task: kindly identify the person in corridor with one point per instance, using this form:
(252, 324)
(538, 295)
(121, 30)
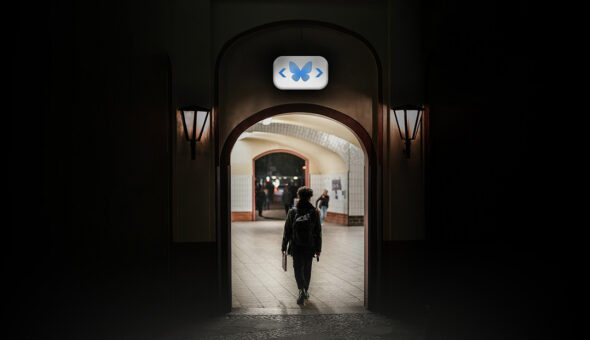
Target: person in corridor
(323, 205)
(287, 198)
(293, 188)
(270, 192)
(260, 199)
(303, 235)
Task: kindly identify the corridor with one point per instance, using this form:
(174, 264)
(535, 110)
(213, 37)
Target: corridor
(260, 286)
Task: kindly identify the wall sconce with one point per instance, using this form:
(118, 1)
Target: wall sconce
(190, 117)
(408, 118)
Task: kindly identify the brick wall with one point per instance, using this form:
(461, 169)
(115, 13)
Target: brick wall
(333, 217)
(241, 216)
(356, 220)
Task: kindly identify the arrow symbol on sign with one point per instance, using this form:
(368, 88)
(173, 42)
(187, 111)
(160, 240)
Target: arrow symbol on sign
(281, 73)
(320, 72)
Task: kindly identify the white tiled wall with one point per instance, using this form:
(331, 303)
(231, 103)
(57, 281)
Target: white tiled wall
(321, 182)
(338, 202)
(317, 185)
(241, 193)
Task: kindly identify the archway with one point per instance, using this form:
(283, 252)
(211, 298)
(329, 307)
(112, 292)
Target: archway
(356, 104)
(224, 194)
(276, 151)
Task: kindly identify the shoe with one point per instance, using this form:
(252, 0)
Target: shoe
(301, 297)
(306, 292)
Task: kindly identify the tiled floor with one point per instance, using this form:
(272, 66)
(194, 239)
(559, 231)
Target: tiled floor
(276, 213)
(259, 283)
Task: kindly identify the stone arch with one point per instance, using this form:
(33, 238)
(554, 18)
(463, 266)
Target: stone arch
(356, 104)
(289, 152)
(367, 63)
(245, 186)
(224, 183)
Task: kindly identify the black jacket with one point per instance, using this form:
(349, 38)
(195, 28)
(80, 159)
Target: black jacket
(323, 200)
(303, 207)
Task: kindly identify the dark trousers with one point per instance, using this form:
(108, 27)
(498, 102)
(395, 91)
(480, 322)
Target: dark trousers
(302, 260)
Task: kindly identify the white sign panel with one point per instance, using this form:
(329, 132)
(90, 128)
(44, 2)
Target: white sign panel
(300, 72)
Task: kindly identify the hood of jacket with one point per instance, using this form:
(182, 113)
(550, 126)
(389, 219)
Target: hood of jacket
(304, 206)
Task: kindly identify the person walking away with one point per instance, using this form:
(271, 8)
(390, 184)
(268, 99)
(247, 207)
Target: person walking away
(323, 205)
(265, 192)
(270, 194)
(294, 187)
(302, 238)
(287, 198)
(260, 199)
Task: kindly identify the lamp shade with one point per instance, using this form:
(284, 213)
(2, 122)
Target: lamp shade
(194, 119)
(188, 122)
(408, 118)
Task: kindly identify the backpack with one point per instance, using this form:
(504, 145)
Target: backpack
(303, 230)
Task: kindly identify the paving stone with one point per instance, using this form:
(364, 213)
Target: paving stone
(310, 326)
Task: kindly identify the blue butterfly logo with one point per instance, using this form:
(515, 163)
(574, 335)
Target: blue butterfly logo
(300, 73)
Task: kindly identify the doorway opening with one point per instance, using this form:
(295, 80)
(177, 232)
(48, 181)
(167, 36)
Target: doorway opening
(334, 158)
(354, 99)
(277, 175)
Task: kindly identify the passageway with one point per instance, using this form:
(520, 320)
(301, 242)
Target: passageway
(260, 285)
(269, 162)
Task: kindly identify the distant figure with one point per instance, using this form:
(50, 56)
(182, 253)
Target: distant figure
(265, 192)
(323, 204)
(294, 187)
(287, 198)
(303, 234)
(270, 193)
(260, 199)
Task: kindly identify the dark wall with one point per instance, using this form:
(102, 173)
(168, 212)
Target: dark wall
(477, 69)
(90, 224)
(91, 122)
(480, 264)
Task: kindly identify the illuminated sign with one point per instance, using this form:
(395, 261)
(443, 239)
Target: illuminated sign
(300, 72)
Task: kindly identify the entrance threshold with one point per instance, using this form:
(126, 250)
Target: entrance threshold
(308, 309)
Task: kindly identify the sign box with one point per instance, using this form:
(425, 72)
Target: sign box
(300, 72)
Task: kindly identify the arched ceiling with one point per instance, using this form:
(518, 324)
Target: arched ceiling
(251, 144)
(320, 123)
(328, 144)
